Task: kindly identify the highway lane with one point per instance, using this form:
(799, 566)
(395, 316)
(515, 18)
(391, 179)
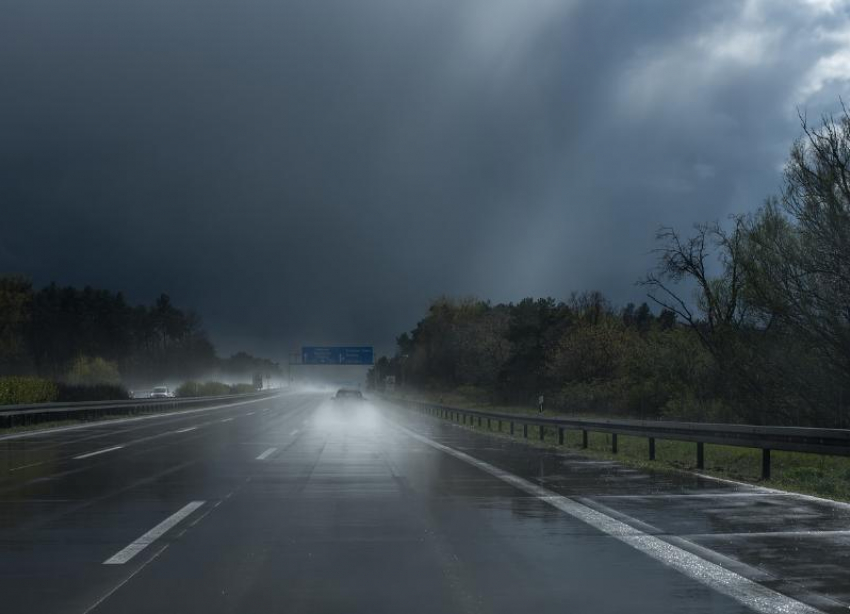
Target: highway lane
(297, 504)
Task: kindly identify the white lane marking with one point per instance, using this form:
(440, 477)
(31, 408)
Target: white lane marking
(26, 466)
(226, 420)
(267, 453)
(295, 432)
(751, 594)
(111, 422)
(686, 495)
(250, 413)
(267, 409)
(96, 452)
(768, 534)
(186, 430)
(124, 555)
(773, 491)
(125, 580)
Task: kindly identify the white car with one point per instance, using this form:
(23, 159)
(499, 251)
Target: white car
(161, 392)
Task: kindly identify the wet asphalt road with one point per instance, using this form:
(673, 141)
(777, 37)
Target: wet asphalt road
(297, 504)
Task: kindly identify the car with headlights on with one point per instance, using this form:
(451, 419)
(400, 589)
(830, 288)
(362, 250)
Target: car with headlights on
(161, 392)
(348, 395)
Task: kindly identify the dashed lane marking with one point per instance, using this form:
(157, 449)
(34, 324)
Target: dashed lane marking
(96, 452)
(127, 553)
(266, 454)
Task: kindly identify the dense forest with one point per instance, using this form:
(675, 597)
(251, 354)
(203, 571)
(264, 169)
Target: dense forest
(92, 336)
(750, 319)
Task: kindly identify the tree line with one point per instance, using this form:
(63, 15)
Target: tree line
(87, 336)
(750, 319)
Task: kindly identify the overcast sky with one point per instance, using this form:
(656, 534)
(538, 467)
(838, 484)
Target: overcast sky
(316, 171)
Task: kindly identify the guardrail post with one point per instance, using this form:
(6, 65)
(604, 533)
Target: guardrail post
(560, 436)
(512, 427)
(584, 439)
(700, 455)
(765, 464)
(614, 443)
(542, 433)
(652, 448)
(488, 425)
(525, 431)
(500, 426)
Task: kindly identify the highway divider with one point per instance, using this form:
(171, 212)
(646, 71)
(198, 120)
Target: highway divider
(834, 442)
(25, 415)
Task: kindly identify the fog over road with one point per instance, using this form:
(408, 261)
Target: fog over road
(299, 504)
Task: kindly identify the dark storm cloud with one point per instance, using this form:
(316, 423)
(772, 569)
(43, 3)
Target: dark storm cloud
(317, 171)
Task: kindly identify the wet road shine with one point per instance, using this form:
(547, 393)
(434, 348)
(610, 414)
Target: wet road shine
(298, 504)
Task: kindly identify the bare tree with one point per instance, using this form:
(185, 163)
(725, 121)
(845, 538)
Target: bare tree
(710, 259)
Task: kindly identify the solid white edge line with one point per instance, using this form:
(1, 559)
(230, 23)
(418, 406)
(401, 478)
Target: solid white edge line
(127, 553)
(96, 452)
(186, 430)
(267, 453)
(751, 594)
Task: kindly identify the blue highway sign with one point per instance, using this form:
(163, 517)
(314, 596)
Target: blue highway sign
(337, 355)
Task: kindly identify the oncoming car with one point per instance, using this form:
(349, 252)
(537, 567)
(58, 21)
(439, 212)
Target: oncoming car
(348, 395)
(161, 392)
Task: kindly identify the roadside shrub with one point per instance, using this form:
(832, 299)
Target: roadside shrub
(19, 390)
(691, 409)
(88, 371)
(214, 389)
(242, 389)
(68, 393)
(187, 389)
(601, 398)
(202, 389)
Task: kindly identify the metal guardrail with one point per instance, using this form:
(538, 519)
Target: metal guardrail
(835, 442)
(21, 415)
